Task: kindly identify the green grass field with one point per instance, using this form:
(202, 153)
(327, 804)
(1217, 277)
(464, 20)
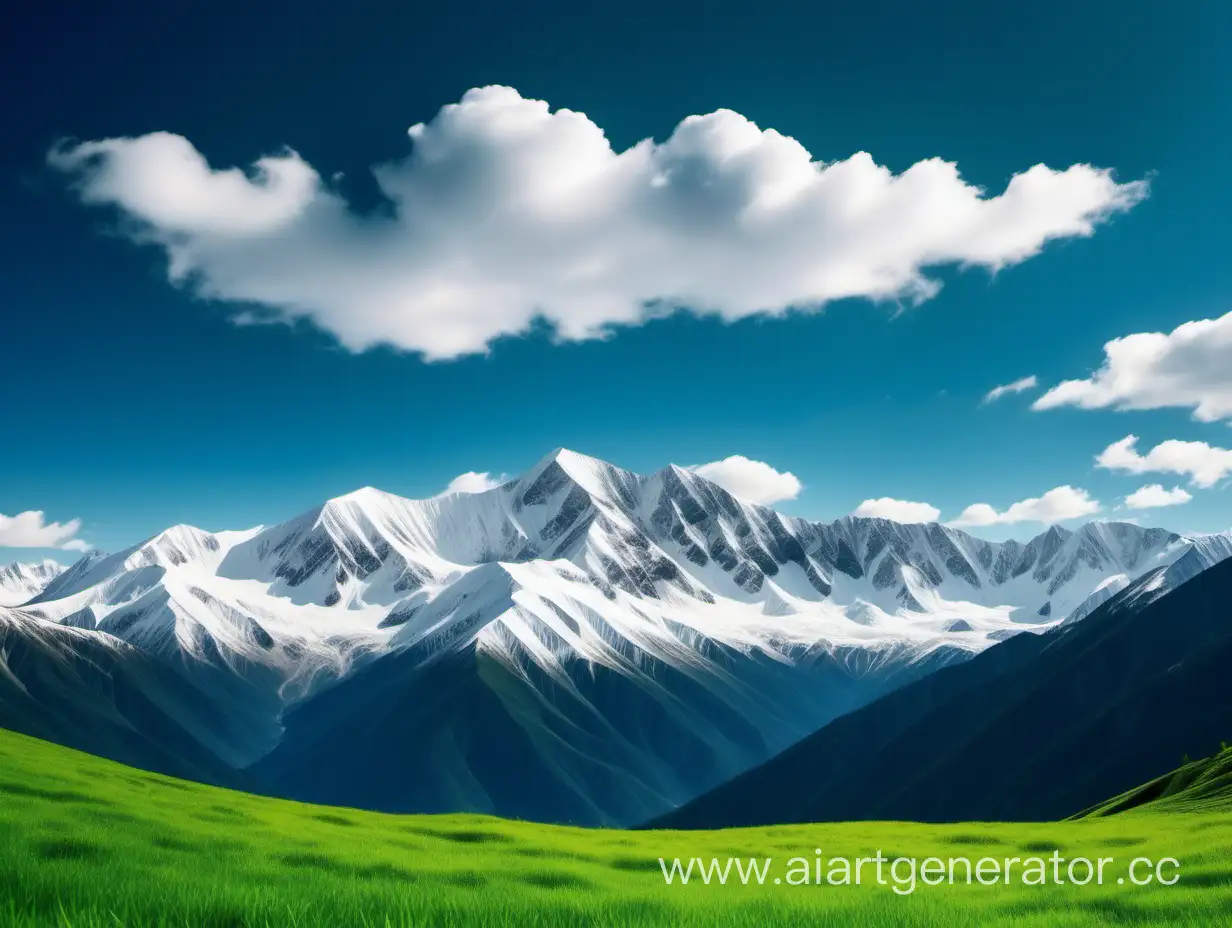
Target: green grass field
(87, 842)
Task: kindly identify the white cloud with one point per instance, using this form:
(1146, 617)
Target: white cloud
(472, 482)
(1056, 505)
(899, 510)
(755, 481)
(1203, 464)
(28, 530)
(165, 183)
(1018, 386)
(1189, 367)
(505, 211)
(1154, 496)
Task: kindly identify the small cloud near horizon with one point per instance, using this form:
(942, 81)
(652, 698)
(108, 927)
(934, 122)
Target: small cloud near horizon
(755, 481)
(473, 482)
(897, 510)
(1057, 505)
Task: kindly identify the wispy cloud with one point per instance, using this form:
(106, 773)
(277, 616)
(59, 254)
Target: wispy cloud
(1017, 386)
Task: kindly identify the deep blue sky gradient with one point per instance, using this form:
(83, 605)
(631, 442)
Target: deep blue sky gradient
(134, 406)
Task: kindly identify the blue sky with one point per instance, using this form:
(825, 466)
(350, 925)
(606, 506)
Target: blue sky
(136, 404)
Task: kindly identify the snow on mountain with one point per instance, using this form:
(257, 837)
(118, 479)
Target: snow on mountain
(20, 582)
(632, 640)
(1201, 553)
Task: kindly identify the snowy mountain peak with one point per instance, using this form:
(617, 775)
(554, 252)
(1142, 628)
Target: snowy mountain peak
(79, 569)
(20, 582)
(364, 497)
(174, 546)
(565, 470)
(569, 459)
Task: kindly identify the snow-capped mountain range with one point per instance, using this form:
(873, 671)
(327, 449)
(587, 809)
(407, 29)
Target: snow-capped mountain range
(581, 643)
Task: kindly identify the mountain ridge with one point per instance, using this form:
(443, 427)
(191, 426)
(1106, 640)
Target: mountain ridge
(561, 597)
(1037, 729)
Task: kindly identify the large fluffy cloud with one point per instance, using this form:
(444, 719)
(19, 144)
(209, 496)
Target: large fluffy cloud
(29, 530)
(1056, 505)
(899, 510)
(505, 211)
(1204, 464)
(755, 481)
(1017, 386)
(1154, 495)
(1189, 367)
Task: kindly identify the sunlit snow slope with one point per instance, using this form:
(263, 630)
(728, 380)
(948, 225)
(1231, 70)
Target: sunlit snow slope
(582, 643)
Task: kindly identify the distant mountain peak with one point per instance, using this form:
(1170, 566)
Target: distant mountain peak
(22, 581)
(571, 462)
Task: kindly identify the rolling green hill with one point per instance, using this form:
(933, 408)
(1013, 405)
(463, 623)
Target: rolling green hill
(1203, 786)
(86, 843)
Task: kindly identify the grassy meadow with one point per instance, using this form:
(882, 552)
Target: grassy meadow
(86, 843)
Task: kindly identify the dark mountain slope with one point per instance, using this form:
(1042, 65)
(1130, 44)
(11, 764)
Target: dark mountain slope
(98, 694)
(498, 734)
(1037, 728)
